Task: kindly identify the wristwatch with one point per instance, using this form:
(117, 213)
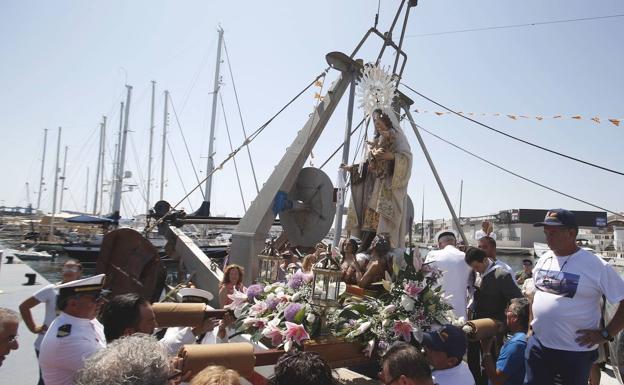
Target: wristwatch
(605, 334)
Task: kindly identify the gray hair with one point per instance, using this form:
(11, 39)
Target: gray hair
(138, 359)
(7, 315)
(520, 308)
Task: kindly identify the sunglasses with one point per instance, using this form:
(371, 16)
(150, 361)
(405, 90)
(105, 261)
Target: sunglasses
(71, 269)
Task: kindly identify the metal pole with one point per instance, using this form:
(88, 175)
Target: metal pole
(342, 174)
(56, 171)
(435, 174)
(122, 156)
(461, 193)
(87, 192)
(422, 230)
(97, 172)
(217, 83)
(117, 148)
(164, 146)
(63, 180)
(102, 163)
(45, 141)
(150, 158)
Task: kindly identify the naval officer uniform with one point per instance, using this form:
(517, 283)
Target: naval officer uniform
(70, 339)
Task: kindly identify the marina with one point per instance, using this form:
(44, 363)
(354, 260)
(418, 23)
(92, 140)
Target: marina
(294, 188)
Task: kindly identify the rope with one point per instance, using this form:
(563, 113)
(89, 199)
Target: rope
(184, 140)
(516, 174)
(342, 144)
(513, 137)
(180, 177)
(516, 25)
(246, 142)
(227, 129)
(240, 115)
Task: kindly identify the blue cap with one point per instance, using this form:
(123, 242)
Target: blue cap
(450, 340)
(558, 217)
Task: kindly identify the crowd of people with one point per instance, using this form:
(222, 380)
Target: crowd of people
(551, 314)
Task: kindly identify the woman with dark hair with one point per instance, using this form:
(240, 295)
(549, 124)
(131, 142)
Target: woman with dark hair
(350, 266)
(302, 368)
(378, 265)
(232, 279)
(379, 185)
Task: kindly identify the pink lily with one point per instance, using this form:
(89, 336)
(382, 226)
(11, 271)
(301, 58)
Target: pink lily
(273, 332)
(403, 329)
(412, 289)
(295, 333)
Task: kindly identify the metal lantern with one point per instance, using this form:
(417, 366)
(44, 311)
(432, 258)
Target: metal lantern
(326, 283)
(268, 269)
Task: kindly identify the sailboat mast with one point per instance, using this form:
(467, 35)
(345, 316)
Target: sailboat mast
(86, 192)
(150, 158)
(56, 178)
(102, 163)
(122, 156)
(97, 171)
(45, 140)
(63, 179)
(215, 94)
(164, 145)
(116, 163)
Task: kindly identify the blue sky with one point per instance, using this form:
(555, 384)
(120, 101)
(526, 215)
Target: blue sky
(65, 63)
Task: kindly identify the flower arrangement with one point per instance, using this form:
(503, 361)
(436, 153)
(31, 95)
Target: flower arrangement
(282, 313)
(412, 304)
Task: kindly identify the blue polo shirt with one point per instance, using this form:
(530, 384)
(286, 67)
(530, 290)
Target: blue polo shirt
(511, 359)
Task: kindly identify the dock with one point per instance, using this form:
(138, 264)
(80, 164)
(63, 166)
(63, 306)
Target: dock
(21, 365)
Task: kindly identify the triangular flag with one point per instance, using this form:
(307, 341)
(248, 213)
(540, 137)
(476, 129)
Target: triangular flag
(524, 116)
(577, 117)
(416, 110)
(556, 116)
(539, 118)
(512, 117)
(596, 119)
(318, 83)
(497, 114)
(615, 121)
(439, 113)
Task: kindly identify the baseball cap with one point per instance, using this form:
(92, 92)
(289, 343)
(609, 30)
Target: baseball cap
(558, 217)
(450, 340)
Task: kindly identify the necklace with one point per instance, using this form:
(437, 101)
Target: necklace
(547, 277)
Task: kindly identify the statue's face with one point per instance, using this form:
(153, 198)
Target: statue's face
(380, 126)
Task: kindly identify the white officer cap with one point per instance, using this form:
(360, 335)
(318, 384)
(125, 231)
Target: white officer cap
(194, 295)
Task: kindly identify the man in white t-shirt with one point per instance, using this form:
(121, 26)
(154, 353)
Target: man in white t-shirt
(455, 272)
(444, 350)
(566, 308)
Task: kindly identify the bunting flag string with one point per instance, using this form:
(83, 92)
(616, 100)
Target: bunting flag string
(595, 119)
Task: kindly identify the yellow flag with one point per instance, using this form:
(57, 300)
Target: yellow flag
(512, 117)
(439, 113)
(615, 121)
(318, 83)
(577, 117)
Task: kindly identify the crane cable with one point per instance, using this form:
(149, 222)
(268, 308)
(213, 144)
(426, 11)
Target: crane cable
(513, 137)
